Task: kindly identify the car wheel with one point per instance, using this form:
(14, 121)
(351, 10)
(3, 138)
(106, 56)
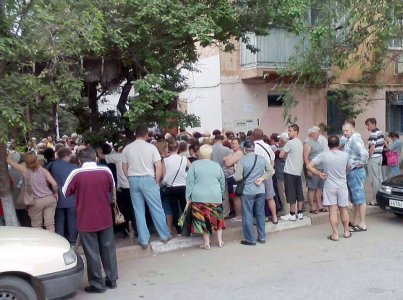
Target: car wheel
(12, 287)
(399, 215)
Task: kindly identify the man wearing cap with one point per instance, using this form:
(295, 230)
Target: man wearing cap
(256, 169)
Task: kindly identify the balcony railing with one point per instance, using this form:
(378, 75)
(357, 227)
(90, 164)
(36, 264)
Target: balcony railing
(275, 50)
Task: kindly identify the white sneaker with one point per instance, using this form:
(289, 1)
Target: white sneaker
(289, 217)
(300, 216)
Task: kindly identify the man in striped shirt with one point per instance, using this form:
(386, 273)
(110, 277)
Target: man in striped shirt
(375, 144)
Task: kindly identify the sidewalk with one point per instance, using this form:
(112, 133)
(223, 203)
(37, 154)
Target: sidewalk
(128, 249)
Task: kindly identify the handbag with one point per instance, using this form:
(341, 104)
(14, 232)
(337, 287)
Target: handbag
(185, 220)
(392, 158)
(119, 218)
(26, 196)
(241, 184)
(166, 189)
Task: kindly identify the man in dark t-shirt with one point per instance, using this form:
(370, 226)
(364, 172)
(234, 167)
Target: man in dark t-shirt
(92, 185)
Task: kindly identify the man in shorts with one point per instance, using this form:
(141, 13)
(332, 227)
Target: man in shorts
(335, 192)
(358, 156)
(292, 151)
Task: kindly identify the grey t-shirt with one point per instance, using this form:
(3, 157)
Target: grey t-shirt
(334, 163)
(219, 152)
(141, 156)
(294, 160)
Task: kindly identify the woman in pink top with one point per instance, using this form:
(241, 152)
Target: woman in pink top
(42, 213)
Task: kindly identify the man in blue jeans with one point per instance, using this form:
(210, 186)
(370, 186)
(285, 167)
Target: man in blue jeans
(253, 169)
(65, 210)
(142, 165)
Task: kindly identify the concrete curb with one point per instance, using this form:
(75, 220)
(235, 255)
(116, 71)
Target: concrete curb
(233, 232)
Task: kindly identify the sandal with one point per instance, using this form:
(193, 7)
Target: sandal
(347, 236)
(313, 211)
(220, 245)
(323, 210)
(357, 228)
(205, 247)
(331, 238)
(351, 224)
(372, 203)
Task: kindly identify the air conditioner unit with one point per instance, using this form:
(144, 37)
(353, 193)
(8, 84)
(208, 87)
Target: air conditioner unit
(399, 65)
(396, 98)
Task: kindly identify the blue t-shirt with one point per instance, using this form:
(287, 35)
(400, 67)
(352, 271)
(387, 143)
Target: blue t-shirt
(60, 170)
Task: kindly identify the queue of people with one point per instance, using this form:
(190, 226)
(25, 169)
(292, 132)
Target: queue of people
(152, 180)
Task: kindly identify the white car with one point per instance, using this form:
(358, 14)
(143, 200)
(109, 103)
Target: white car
(37, 264)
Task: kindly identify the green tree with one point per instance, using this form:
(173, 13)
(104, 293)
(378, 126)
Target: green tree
(341, 34)
(65, 52)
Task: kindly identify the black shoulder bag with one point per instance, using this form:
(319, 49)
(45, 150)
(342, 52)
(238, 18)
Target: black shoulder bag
(167, 189)
(241, 184)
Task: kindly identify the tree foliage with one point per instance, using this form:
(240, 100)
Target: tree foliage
(61, 52)
(341, 34)
(55, 51)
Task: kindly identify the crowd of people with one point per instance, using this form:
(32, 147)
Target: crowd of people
(152, 178)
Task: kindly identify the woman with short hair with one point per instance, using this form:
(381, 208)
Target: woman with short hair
(205, 185)
(174, 182)
(42, 213)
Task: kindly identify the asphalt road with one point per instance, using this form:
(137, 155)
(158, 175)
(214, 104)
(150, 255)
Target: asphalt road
(294, 264)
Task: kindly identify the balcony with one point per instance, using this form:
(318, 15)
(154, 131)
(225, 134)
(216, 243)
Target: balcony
(275, 50)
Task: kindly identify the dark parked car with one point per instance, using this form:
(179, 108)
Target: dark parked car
(391, 195)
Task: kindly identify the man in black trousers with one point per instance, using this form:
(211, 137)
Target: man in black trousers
(93, 185)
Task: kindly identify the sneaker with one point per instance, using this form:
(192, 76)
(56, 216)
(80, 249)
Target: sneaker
(300, 216)
(289, 217)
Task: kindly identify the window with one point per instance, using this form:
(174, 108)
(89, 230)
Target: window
(394, 112)
(335, 116)
(397, 43)
(275, 100)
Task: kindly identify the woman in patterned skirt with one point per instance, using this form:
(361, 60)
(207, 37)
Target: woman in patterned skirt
(205, 184)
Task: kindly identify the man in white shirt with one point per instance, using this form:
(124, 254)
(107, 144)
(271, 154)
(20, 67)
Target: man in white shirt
(122, 188)
(263, 149)
(293, 152)
(142, 165)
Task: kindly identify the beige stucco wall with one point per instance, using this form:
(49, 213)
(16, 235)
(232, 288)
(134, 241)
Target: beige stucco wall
(243, 103)
(245, 107)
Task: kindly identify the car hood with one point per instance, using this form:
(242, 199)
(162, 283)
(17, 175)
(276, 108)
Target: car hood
(32, 251)
(10, 236)
(396, 181)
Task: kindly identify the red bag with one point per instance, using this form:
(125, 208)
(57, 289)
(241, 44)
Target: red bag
(392, 158)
